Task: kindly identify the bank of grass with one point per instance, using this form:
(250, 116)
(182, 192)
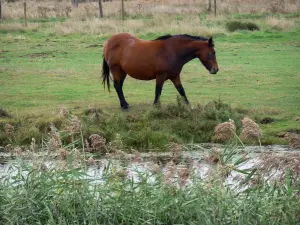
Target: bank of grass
(143, 127)
(42, 195)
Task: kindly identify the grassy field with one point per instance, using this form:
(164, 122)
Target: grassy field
(57, 61)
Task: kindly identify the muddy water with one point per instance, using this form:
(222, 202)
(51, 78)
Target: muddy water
(132, 165)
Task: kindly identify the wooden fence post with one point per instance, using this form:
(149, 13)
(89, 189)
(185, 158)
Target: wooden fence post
(215, 1)
(25, 15)
(209, 6)
(0, 9)
(75, 2)
(100, 8)
(122, 10)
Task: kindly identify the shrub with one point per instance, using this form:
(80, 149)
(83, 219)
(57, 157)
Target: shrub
(236, 25)
(3, 113)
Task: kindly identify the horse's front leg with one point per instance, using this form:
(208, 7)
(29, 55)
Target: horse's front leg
(158, 88)
(177, 83)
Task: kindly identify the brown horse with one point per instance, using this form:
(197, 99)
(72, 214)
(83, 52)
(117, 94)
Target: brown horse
(160, 59)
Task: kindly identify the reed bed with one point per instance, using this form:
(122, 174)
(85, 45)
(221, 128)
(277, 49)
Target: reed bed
(66, 194)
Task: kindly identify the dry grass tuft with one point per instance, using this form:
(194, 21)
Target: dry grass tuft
(271, 163)
(281, 24)
(225, 131)
(63, 112)
(63, 153)
(54, 141)
(294, 139)
(33, 145)
(250, 130)
(9, 130)
(98, 143)
(73, 125)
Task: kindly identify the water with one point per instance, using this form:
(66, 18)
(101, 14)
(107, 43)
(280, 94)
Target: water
(132, 165)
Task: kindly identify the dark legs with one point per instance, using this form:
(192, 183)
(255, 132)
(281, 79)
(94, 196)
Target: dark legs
(118, 86)
(177, 83)
(160, 79)
(119, 77)
(158, 90)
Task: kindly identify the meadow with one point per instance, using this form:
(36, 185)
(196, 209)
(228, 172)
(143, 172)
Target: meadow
(52, 103)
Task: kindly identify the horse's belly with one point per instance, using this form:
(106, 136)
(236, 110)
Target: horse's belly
(142, 76)
(140, 73)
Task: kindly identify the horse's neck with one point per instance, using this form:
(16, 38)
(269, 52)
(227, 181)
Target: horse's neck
(186, 51)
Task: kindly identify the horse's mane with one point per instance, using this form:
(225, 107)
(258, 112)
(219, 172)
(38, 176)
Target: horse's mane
(168, 36)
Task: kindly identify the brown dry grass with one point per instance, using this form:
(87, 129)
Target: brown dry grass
(98, 143)
(158, 24)
(42, 9)
(54, 140)
(9, 130)
(294, 139)
(250, 130)
(225, 131)
(165, 16)
(281, 24)
(275, 164)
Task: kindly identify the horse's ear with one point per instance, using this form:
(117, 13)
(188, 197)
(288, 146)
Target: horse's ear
(210, 42)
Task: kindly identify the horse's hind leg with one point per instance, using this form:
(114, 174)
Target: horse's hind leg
(119, 76)
(160, 79)
(177, 83)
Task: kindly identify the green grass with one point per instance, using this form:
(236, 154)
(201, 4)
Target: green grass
(41, 70)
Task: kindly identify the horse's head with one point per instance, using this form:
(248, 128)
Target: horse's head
(207, 56)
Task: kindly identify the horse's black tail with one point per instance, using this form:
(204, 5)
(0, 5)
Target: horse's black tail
(105, 74)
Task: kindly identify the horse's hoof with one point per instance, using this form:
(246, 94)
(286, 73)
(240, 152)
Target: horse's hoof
(125, 107)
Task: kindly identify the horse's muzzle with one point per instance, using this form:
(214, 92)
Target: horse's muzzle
(213, 70)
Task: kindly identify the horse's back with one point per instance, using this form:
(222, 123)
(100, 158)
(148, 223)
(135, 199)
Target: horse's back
(141, 59)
